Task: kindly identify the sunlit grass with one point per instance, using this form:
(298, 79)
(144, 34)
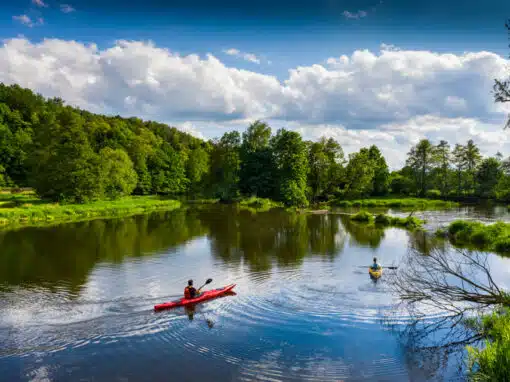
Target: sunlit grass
(491, 237)
(396, 202)
(384, 220)
(16, 209)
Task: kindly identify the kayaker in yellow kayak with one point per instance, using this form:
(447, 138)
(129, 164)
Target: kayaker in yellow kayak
(375, 266)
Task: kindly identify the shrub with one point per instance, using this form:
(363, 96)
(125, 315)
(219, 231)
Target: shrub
(433, 194)
(363, 216)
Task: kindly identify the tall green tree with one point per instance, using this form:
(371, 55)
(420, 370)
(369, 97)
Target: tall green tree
(292, 168)
(443, 161)
(421, 159)
(460, 164)
(257, 163)
(381, 179)
(225, 166)
(197, 168)
(472, 159)
(118, 176)
(487, 177)
(325, 158)
(359, 174)
(167, 169)
(65, 168)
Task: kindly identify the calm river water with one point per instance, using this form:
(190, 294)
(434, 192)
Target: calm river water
(76, 300)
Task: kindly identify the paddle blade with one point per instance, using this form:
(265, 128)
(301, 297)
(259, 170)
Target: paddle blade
(208, 281)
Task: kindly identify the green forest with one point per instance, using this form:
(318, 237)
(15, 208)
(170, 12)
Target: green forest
(69, 155)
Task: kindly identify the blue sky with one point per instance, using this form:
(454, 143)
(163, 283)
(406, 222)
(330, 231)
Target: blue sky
(277, 60)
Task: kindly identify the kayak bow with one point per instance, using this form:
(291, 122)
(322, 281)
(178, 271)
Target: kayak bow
(204, 296)
(375, 274)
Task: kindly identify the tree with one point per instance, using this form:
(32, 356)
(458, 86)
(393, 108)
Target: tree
(291, 166)
(421, 160)
(381, 179)
(64, 166)
(118, 176)
(472, 159)
(197, 168)
(459, 162)
(487, 177)
(359, 174)
(225, 166)
(168, 174)
(257, 165)
(443, 161)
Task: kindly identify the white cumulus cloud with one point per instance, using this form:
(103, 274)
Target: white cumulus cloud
(392, 97)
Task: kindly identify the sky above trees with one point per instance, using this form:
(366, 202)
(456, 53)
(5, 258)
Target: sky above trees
(363, 73)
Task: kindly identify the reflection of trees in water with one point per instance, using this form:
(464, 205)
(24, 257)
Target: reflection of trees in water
(423, 242)
(64, 255)
(439, 291)
(276, 236)
(363, 234)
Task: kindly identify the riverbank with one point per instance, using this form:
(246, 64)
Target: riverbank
(27, 209)
(383, 220)
(403, 202)
(488, 237)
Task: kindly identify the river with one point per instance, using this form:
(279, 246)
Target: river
(77, 299)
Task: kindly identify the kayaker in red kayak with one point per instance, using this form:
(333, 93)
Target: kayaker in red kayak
(190, 291)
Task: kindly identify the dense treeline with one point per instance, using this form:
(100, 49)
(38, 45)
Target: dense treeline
(71, 155)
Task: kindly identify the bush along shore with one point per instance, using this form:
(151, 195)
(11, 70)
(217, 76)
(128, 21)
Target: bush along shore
(383, 220)
(421, 203)
(22, 210)
(489, 237)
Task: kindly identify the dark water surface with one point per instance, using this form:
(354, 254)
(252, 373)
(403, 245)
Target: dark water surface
(76, 300)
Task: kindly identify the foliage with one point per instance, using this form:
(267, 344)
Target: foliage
(359, 175)
(29, 210)
(400, 203)
(491, 362)
(64, 153)
(363, 216)
(291, 167)
(118, 176)
(490, 237)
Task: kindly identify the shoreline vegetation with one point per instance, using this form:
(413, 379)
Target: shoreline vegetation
(403, 202)
(383, 220)
(494, 237)
(26, 209)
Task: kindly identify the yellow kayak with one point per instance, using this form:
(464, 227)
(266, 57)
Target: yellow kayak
(375, 274)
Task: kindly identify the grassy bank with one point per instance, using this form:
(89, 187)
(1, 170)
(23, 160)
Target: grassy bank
(492, 237)
(491, 362)
(396, 202)
(383, 220)
(259, 204)
(27, 209)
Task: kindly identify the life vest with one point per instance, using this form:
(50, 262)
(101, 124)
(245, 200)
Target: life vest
(187, 292)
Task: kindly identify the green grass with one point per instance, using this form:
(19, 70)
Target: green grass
(396, 202)
(492, 362)
(492, 237)
(16, 210)
(259, 204)
(384, 220)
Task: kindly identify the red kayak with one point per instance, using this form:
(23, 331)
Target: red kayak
(204, 296)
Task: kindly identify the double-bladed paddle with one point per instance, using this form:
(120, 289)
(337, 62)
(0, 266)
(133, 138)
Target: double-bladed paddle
(207, 282)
